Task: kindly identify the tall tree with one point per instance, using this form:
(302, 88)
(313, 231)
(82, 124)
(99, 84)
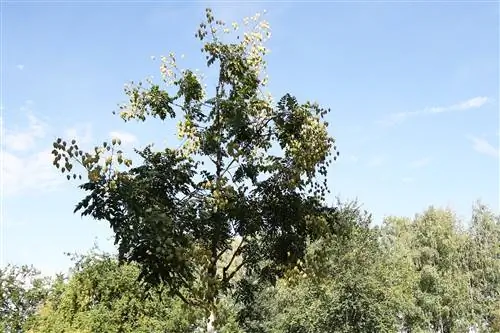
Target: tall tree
(346, 283)
(247, 168)
(398, 239)
(443, 275)
(483, 255)
(431, 250)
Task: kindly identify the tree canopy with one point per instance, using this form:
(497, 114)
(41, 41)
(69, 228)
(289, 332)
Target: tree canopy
(247, 167)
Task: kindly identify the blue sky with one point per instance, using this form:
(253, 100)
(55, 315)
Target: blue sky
(413, 89)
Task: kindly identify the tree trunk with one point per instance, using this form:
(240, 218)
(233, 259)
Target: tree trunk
(211, 322)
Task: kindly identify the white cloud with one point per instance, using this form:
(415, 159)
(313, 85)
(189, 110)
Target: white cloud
(26, 159)
(32, 172)
(473, 103)
(125, 137)
(22, 140)
(420, 163)
(484, 147)
(20, 67)
(27, 106)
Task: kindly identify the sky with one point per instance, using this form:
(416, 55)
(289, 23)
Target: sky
(413, 89)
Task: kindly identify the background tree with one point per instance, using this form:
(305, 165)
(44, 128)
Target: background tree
(427, 274)
(103, 296)
(247, 168)
(345, 284)
(483, 255)
(443, 275)
(431, 251)
(398, 239)
(22, 290)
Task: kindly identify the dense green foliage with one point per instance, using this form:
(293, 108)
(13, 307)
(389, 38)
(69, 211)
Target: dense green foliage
(102, 296)
(414, 275)
(22, 290)
(427, 274)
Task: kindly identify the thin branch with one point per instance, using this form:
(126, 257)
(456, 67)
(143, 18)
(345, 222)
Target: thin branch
(236, 252)
(233, 273)
(212, 160)
(190, 195)
(219, 92)
(112, 155)
(249, 142)
(221, 253)
(184, 299)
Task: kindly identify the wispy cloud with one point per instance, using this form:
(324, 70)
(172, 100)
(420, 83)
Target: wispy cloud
(420, 163)
(484, 147)
(24, 166)
(28, 172)
(473, 103)
(125, 137)
(22, 140)
(20, 67)
(26, 157)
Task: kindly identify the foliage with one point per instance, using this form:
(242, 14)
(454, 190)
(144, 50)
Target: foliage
(483, 259)
(247, 168)
(434, 245)
(427, 274)
(443, 277)
(22, 290)
(343, 285)
(102, 296)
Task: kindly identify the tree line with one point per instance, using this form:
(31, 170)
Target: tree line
(430, 273)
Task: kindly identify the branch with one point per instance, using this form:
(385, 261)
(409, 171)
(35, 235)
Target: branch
(190, 195)
(112, 155)
(181, 296)
(249, 142)
(233, 273)
(212, 160)
(225, 269)
(221, 253)
(184, 299)
(236, 252)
